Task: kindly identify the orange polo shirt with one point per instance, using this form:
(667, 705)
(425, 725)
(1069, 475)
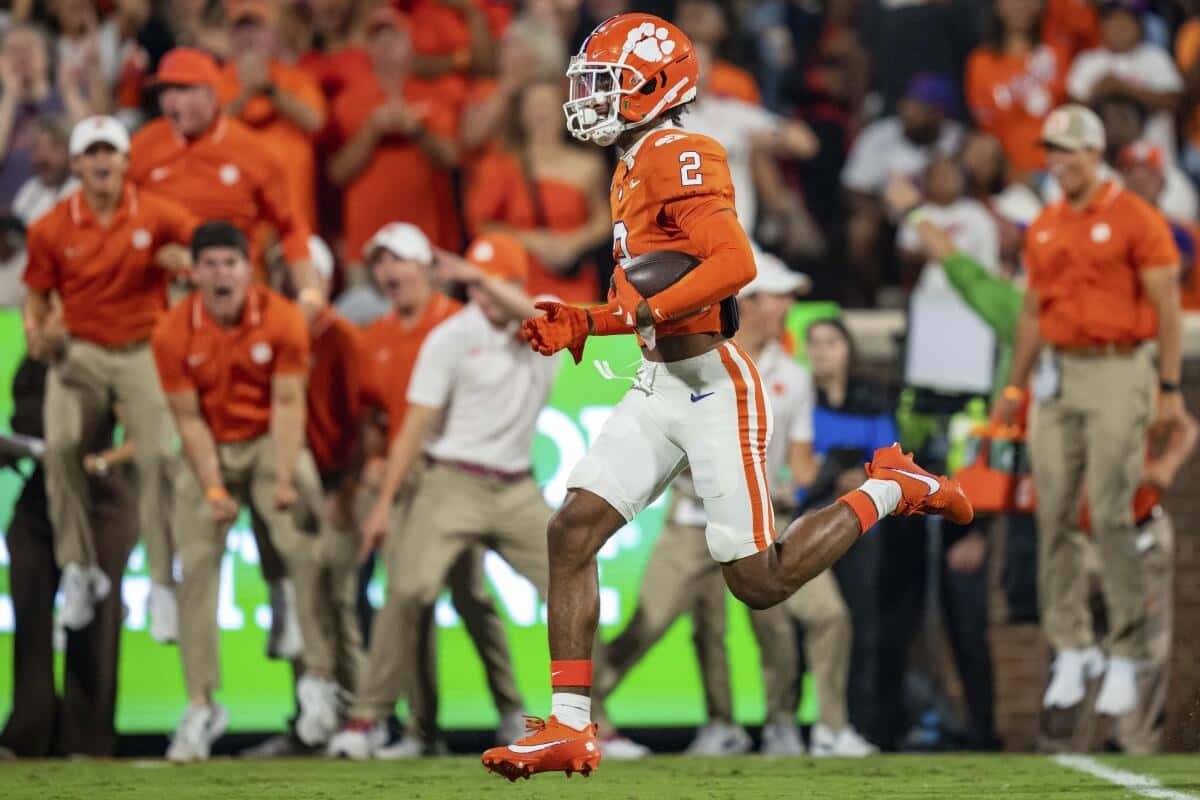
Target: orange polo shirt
(113, 292)
(230, 369)
(334, 389)
(227, 173)
(400, 182)
(1084, 265)
(290, 143)
(1073, 25)
(390, 350)
(1011, 95)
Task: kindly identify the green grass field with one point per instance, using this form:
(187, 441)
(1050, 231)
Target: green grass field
(746, 778)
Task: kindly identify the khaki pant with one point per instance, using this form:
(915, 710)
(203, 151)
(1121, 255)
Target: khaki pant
(682, 577)
(1141, 730)
(818, 606)
(451, 517)
(1093, 431)
(248, 471)
(80, 392)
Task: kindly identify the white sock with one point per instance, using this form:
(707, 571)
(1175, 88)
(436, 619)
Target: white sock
(884, 494)
(571, 709)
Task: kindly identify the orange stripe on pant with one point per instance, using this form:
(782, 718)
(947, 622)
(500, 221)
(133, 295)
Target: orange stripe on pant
(743, 406)
(764, 422)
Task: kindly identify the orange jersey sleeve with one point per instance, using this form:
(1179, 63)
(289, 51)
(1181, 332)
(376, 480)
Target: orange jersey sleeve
(290, 333)
(687, 205)
(170, 350)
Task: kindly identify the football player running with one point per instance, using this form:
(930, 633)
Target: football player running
(697, 401)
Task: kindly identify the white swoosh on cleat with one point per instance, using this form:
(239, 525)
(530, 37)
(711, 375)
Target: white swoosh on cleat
(931, 482)
(533, 748)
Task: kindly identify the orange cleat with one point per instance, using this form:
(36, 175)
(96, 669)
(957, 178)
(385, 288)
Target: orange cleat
(549, 746)
(924, 492)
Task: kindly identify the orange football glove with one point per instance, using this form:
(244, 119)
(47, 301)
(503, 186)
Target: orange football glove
(562, 327)
(626, 298)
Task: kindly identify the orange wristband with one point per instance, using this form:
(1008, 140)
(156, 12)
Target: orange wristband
(863, 507)
(1014, 393)
(216, 493)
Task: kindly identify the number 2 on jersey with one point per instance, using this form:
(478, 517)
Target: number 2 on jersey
(689, 173)
(621, 243)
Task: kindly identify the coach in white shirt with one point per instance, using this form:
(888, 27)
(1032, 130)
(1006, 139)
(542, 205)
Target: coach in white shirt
(1126, 64)
(474, 399)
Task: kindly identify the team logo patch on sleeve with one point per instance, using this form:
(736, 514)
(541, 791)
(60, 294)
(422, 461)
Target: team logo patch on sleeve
(261, 353)
(229, 174)
(142, 238)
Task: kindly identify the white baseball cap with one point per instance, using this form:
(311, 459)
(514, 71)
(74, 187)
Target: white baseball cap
(774, 277)
(94, 130)
(320, 257)
(1073, 127)
(403, 240)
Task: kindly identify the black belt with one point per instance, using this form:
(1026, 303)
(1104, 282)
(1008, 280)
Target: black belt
(480, 471)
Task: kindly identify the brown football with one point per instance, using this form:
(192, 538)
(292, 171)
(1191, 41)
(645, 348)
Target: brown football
(650, 273)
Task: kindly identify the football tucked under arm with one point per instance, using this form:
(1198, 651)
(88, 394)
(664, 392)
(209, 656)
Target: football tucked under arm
(726, 265)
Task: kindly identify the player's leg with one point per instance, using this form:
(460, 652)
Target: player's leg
(630, 464)
(469, 593)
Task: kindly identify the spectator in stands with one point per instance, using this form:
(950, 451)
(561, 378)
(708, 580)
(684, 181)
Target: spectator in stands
(711, 23)
(550, 194)
(80, 721)
(143, 37)
(282, 103)
(52, 179)
(335, 56)
(455, 38)
(853, 416)
(1103, 280)
(26, 93)
(530, 51)
(401, 260)
(217, 167)
(1012, 204)
(397, 138)
(106, 254)
(1072, 26)
(232, 358)
(1126, 64)
(899, 145)
(12, 263)
(1014, 79)
(88, 52)
(200, 24)
(1143, 168)
(754, 139)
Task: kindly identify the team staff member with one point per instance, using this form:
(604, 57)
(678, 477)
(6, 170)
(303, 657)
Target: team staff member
(217, 167)
(401, 261)
(1103, 280)
(232, 358)
(281, 103)
(107, 252)
(475, 376)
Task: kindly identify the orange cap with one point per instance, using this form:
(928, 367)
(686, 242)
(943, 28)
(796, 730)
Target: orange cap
(385, 16)
(258, 10)
(500, 256)
(187, 66)
(1141, 152)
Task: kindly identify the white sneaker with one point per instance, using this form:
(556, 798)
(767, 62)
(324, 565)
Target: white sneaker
(199, 728)
(406, 747)
(318, 719)
(512, 727)
(164, 614)
(77, 609)
(358, 741)
(284, 641)
(622, 748)
(1071, 670)
(719, 739)
(845, 743)
(781, 739)
(1118, 694)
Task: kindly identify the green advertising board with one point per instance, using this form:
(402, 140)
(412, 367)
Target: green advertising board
(663, 690)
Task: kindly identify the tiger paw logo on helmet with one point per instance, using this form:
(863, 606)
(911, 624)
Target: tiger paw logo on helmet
(631, 70)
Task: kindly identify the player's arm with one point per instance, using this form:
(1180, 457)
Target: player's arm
(727, 261)
(507, 294)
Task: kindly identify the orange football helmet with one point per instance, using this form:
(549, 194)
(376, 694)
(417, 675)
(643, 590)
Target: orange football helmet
(629, 71)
